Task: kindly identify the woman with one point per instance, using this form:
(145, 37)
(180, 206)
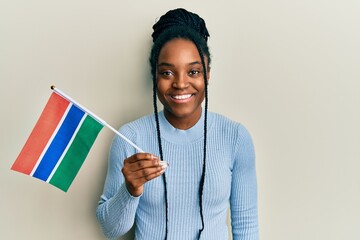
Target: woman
(211, 158)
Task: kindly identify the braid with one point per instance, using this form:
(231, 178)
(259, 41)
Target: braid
(160, 145)
(180, 23)
(202, 179)
(178, 17)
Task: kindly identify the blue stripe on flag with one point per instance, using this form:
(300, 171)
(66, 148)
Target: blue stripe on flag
(59, 143)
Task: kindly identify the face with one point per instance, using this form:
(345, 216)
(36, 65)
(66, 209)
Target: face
(180, 82)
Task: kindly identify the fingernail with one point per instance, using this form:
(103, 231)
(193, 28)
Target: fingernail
(164, 164)
(154, 157)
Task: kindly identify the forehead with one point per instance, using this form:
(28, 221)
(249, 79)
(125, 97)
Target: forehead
(179, 50)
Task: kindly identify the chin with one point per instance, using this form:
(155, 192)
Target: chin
(182, 113)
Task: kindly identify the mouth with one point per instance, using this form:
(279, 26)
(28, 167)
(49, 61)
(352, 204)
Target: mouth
(181, 97)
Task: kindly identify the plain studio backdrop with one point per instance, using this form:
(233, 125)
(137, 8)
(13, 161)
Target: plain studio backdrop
(288, 70)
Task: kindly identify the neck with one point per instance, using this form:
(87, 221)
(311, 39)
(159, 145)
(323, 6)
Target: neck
(183, 123)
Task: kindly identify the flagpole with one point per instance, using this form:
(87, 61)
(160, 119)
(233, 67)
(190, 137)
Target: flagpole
(58, 91)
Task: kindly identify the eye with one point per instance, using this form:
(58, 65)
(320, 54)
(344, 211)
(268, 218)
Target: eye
(194, 72)
(165, 74)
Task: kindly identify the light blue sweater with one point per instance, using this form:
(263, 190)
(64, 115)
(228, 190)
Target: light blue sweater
(230, 178)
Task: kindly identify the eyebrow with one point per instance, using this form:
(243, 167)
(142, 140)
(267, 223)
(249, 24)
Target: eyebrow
(172, 65)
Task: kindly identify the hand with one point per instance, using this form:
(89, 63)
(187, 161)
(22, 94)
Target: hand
(139, 169)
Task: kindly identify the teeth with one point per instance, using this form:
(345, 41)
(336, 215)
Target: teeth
(180, 97)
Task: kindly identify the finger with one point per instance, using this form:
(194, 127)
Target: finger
(142, 156)
(144, 172)
(136, 180)
(136, 185)
(142, 164)
(141, 168)
(147, 175)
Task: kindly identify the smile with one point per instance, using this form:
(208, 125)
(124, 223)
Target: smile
(181, 97)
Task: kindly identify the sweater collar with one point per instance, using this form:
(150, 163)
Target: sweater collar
(179, 136)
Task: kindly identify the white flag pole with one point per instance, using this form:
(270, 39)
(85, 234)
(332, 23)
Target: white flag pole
(95, 117)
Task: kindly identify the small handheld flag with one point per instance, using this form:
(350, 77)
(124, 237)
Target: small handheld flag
(60, 141)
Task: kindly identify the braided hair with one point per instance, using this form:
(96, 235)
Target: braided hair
(175, 24)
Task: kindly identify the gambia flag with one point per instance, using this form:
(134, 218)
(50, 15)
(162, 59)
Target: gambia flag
(59, 143)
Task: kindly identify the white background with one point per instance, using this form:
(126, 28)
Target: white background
(288, 70)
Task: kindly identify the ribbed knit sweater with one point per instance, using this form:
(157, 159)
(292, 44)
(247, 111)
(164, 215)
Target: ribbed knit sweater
(230, 179)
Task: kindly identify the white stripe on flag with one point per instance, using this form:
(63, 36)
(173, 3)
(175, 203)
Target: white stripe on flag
(67, 147)
(51, 139)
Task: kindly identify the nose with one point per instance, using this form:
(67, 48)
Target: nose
(181, 81)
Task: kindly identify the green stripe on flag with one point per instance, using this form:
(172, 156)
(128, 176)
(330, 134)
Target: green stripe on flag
(76, 154)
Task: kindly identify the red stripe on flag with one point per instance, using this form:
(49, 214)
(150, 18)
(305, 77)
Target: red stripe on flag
(40, 135)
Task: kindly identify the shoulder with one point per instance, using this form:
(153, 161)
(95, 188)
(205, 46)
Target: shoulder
(227, 126)
(230, 136)
(138, 125)
(134, 131)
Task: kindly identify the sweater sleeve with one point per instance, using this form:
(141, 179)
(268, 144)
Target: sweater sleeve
(243, 199)
(117, 207)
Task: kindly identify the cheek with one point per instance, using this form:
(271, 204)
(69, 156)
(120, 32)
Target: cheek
(161, 91)
(199, 85)
(163, 86)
